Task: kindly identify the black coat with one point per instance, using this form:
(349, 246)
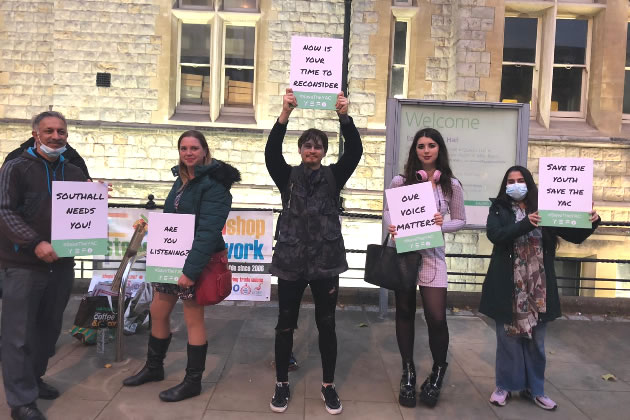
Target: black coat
(498, 286)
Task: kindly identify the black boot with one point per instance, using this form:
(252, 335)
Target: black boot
(407, 396)
(191, 385)
(430, 389)
(153, 369)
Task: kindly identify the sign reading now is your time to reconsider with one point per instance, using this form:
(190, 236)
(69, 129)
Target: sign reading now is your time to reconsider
(316, 67)
(412, 209)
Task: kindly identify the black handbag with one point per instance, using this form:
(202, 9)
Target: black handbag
(387, 268)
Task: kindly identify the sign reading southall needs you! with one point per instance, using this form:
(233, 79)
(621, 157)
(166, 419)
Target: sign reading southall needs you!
(316, 65)
(79, 215)
(565, 193)
(169, 241)
(412, 209)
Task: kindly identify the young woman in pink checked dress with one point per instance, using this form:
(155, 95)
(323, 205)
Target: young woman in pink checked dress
(427, 162)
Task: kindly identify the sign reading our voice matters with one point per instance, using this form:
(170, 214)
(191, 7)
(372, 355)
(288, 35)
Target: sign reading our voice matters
(412, 209)
(79, 218)
(316, 65)
(565, 193)
(168, 244)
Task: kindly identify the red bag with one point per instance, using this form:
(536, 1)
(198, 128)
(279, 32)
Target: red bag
(215, 281)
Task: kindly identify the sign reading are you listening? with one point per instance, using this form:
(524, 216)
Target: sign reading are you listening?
(316, 67)
(79, 218)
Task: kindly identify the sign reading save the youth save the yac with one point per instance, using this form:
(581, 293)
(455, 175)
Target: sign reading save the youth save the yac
(79, 218)
(169, 241)
(316, 66)
(248, 238)
(412, 209)
(565, 192)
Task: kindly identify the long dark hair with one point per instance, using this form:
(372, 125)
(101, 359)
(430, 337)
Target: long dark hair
(414, 164)
(183, 171)
(531, 199)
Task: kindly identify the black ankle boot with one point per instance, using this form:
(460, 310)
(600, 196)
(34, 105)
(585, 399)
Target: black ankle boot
(430, 389)
(407, 396)
(191, 385)
(153, 369)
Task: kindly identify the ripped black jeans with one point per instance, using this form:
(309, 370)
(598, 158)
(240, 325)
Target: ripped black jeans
(325, 292)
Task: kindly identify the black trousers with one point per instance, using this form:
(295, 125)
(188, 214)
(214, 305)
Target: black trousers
(325, 292)
(32, 315)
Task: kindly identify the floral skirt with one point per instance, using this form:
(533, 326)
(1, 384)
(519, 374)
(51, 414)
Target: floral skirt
(184, 293)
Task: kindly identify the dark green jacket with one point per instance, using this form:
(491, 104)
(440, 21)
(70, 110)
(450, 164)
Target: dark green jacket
(208, 197)
(498, 287)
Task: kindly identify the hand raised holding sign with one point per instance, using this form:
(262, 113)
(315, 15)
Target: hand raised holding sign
(288, 104)
(342, 104)
(534, 218)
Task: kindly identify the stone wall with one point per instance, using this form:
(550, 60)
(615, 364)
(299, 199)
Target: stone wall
(52, 50)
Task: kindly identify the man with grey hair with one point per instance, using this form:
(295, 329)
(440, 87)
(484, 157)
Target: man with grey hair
(36, 282)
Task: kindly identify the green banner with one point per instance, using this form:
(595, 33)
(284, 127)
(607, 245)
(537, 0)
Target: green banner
(477, 203)
(417, 242)
(314, 100)
(163, 274)
(80, 247)
(570, 219)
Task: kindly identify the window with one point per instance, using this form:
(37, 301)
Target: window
(216, 60)
(626, 86)
(520, 61)
(400, 59)
(570, 68)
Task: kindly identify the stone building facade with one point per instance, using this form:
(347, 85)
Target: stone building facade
(51, 52)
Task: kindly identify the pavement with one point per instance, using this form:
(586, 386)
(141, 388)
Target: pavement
(239, 378)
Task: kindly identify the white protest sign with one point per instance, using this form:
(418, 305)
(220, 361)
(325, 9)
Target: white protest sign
(249, 239)
(169, 241)
(412, 209)
(565, 192)
(316, 67)
(79, 218)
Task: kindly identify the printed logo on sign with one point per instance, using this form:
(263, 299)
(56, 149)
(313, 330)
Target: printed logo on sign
(246, 290)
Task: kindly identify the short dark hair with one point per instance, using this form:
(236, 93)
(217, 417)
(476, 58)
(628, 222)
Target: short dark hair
(316, 135)
(46, 114)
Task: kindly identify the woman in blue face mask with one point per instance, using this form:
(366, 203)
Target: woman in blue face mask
(520, 291)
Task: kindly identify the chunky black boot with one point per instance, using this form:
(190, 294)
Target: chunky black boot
(153, 369)
(407, 396)
(191, 385)
(430, 389)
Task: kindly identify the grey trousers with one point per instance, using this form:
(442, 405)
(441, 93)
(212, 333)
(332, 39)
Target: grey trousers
(32, 313)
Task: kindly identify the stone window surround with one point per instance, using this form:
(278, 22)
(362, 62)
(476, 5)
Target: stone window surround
(547, 13)
(402, 14)
(626, 117)
(218, 21)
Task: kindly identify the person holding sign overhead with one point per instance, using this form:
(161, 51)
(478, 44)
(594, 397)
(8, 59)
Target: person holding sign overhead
(309, 246)
(36, 281)
(427, 162)
(202, 188)
(520, 291)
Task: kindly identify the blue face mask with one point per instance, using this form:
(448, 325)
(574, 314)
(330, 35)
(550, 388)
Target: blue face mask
(516, 191)
(50, 152)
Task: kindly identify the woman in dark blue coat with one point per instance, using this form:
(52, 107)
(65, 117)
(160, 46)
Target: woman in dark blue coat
(520, 291)
(202, 188)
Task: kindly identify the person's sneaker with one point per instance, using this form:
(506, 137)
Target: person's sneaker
(331, 399)
(280, 400)
(541, 401)
(27, 412)
(46, 391)
(499, 397)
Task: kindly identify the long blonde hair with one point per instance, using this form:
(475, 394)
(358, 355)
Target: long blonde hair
(183, 170)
